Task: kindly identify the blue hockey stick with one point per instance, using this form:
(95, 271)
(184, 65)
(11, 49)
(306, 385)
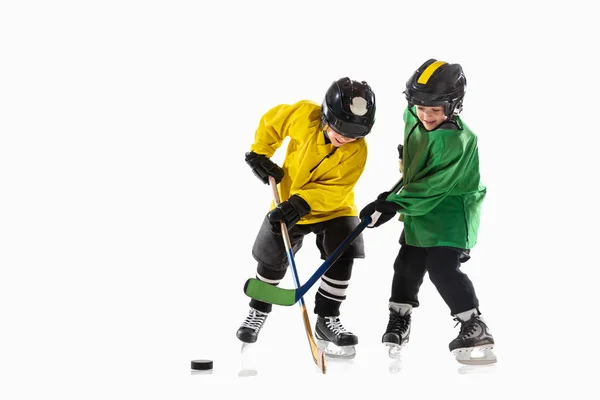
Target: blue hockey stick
(263, 291)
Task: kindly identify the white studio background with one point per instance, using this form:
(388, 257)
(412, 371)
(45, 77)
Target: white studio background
(127, 212)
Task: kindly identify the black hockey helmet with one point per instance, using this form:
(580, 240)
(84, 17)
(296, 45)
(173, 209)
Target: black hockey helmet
(349, 108)
(437, 83)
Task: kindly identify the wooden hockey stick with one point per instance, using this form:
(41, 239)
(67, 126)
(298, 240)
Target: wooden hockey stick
(317, 353)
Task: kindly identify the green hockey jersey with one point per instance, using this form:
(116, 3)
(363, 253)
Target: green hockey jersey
(442, 194)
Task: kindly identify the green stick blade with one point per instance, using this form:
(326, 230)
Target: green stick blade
(263, 291)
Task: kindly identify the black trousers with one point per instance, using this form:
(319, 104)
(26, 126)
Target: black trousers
(443, 266)
(270, 253)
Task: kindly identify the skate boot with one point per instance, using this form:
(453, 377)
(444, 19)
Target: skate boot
(248, 332)
(397, 333)
(334, 339)
(474, 343)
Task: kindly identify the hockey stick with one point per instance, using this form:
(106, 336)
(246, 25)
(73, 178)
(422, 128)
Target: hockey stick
(263, 291)
(317, 354)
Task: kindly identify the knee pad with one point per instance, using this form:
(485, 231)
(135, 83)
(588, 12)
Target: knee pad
(410, 262)
(270, 273)
(443, 262)
(341, 270)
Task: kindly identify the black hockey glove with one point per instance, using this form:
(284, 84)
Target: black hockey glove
(263, 167)
(387, 209)
(289, 211)
(400, 163)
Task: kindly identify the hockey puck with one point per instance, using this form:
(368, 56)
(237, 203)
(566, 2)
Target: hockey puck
(202, 365)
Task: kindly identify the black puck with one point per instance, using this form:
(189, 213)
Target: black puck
(202, 365)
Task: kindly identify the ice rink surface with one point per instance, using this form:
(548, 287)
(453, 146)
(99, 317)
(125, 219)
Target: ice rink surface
(128, 214)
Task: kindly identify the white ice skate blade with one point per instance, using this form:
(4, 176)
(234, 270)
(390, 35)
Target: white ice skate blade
(245, 346)
(395, 366)
(247, 359)
(333, 351)
(244, 373)
(395, 350)
(478, 355)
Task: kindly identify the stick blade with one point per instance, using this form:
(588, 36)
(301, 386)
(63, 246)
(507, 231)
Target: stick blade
(263, 291)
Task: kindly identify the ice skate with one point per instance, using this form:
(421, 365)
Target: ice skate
(334, 339)
(474, 344)
(248, 331)
(397, 333)
(248, 360)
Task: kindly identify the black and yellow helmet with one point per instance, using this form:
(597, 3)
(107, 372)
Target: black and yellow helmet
(349, 108)
(437, 83)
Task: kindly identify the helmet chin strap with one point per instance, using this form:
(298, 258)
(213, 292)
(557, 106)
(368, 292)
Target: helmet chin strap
(327, 140)
(410, 108)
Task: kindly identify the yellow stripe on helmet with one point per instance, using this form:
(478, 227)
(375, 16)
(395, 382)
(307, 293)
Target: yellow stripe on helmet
(429, 71)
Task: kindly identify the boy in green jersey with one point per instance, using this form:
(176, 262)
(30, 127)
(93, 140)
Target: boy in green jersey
(440, 205)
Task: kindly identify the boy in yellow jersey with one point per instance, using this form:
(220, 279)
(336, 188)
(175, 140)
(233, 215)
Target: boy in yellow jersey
(440, 205)
(325, 157)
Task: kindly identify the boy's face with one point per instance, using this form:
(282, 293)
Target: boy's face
(431, 117)
(336, 139)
